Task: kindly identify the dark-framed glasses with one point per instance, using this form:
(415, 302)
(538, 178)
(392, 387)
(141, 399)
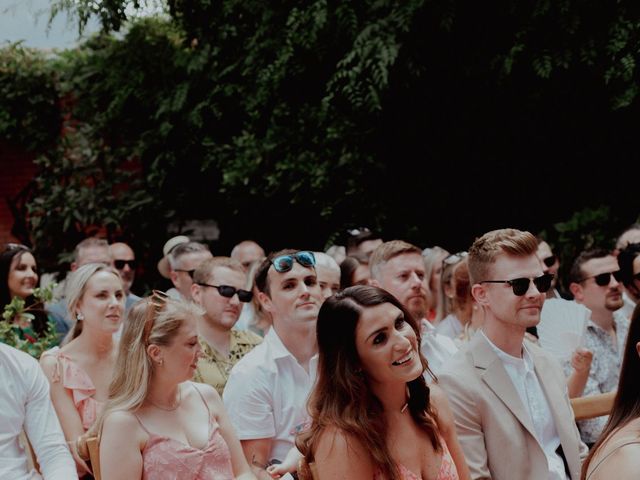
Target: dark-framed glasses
(228, 291)
(284, 263)
(120, 264)
(454, 258)
(190, 272)
(549, 261)
(520, 286)
(603, 279)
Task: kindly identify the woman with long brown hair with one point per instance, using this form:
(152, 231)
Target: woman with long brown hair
(372, 414)
(616, 454)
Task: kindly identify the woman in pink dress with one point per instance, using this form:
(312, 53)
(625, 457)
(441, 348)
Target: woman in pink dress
(80, 371)
(372, 414)
(157, 424)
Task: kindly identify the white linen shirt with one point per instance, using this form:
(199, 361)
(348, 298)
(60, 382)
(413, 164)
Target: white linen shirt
(266, 395)
(523, 377)
(25, 405)
(436, 348)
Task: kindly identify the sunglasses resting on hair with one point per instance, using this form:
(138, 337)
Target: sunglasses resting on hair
(228, 291)
(119, 264)
(603, 279)
(520, 286)
(284, 263)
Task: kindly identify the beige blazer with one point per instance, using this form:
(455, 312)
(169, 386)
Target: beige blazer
(493, 427)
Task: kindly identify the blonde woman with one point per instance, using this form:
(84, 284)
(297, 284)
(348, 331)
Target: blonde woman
(158, 424)
(80, 371)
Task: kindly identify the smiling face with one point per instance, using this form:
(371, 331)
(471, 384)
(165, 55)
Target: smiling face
(23, 276)
(387, 346)
(102, 303)
(180, 357)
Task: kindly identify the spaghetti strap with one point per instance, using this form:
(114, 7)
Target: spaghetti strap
(609, 454)
(202, 397)
(142, 424)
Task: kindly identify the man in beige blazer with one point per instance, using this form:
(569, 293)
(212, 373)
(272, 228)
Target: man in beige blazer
(512, 412)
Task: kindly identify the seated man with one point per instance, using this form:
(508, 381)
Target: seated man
(508, 396)
(25, 405)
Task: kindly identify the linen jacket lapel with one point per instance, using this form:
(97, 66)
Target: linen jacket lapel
(497, 379)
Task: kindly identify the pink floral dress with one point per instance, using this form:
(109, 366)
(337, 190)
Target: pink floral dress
(447, 471)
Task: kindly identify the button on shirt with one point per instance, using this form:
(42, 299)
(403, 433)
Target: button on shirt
(605, 368)
(266, 395)
(25, 404)
(523, 376)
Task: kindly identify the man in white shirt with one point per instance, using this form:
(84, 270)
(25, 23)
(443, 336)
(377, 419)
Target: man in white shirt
(509, 397)
(267, 390)
(398, 267)
(26, 406)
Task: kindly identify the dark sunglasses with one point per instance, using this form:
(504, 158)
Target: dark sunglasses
(520, 286)
(190, 272)
(603, 279)
(549, 261)
(454, 258)
(284, 263)
(119, 264)
(229, 291)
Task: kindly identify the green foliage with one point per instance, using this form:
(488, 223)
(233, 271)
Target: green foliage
(29, 113)
(15, 329)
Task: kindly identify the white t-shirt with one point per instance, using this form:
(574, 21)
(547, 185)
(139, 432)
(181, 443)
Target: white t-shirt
(266, 395)
(25, 404)
(435, 347)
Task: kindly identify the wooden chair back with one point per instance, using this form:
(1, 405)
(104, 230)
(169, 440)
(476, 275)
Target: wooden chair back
(592, 406)
(93, 445)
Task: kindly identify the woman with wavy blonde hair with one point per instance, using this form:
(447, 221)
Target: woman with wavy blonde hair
(157, 423)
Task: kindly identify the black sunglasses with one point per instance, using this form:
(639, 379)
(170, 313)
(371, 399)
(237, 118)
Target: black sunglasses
(284, 263)
(549, 261)
(119, 264)
(229, 291)
(190, 272)
(603, 279)
(520, 286)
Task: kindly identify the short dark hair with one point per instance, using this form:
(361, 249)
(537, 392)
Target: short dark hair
(576, 273)
(625, 261)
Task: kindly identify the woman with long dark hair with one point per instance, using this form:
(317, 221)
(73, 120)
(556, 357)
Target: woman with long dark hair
(372, 414)
(19, 274)
(616, 454)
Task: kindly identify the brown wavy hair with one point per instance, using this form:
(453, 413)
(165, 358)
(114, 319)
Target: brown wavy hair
(341, 397)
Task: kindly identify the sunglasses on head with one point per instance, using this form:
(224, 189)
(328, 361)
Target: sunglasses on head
(454, 258)
(549, 261)
(520, 286)
(119, 264)
(284, 263)
(603, 279)
(228, 291)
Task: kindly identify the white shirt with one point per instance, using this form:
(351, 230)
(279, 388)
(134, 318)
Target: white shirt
(436, 348)
(266, 395)
(25, 404)
(628, 305)
(450, 327)
(523, 376)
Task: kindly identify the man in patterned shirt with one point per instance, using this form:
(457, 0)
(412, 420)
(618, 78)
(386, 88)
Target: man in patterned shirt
(218, 287)
(594, 283)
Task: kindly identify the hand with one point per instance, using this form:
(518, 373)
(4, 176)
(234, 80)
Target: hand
(581, 360)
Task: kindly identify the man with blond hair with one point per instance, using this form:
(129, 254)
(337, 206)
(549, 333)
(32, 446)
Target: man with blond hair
(398, 267)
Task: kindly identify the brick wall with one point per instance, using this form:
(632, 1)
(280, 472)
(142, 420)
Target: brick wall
(16, 171)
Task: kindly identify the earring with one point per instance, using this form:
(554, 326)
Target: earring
(161, 362)
(79, 317)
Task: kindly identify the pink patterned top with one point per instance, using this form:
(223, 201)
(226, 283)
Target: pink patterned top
(166, 458)
(447, 471)
(78, 381)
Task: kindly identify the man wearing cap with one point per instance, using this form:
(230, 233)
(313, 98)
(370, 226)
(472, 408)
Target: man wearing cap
(181, 258)
(267, 390)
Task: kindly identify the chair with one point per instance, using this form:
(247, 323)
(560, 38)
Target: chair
(93, 445)
(592, 406)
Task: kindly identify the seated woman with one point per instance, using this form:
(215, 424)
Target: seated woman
(80, 371)
(616, 454)
(157, 424)
(372, 414)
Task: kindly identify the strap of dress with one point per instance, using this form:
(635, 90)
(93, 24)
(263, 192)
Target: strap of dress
(609, 454)
(202, 397)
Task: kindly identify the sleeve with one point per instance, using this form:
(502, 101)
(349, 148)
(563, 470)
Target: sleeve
(43, 429)
(249, 403)
(468, 422)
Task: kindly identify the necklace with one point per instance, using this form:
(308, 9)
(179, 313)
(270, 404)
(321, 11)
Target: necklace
(171, 408)
(404, 407)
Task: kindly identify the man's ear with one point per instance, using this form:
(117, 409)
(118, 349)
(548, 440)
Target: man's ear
(479, 293)
(174, 277)
(576, 291)
(196, 292)
(265, 302)
(638, 348)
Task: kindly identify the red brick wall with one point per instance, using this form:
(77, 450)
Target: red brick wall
(16, 170)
